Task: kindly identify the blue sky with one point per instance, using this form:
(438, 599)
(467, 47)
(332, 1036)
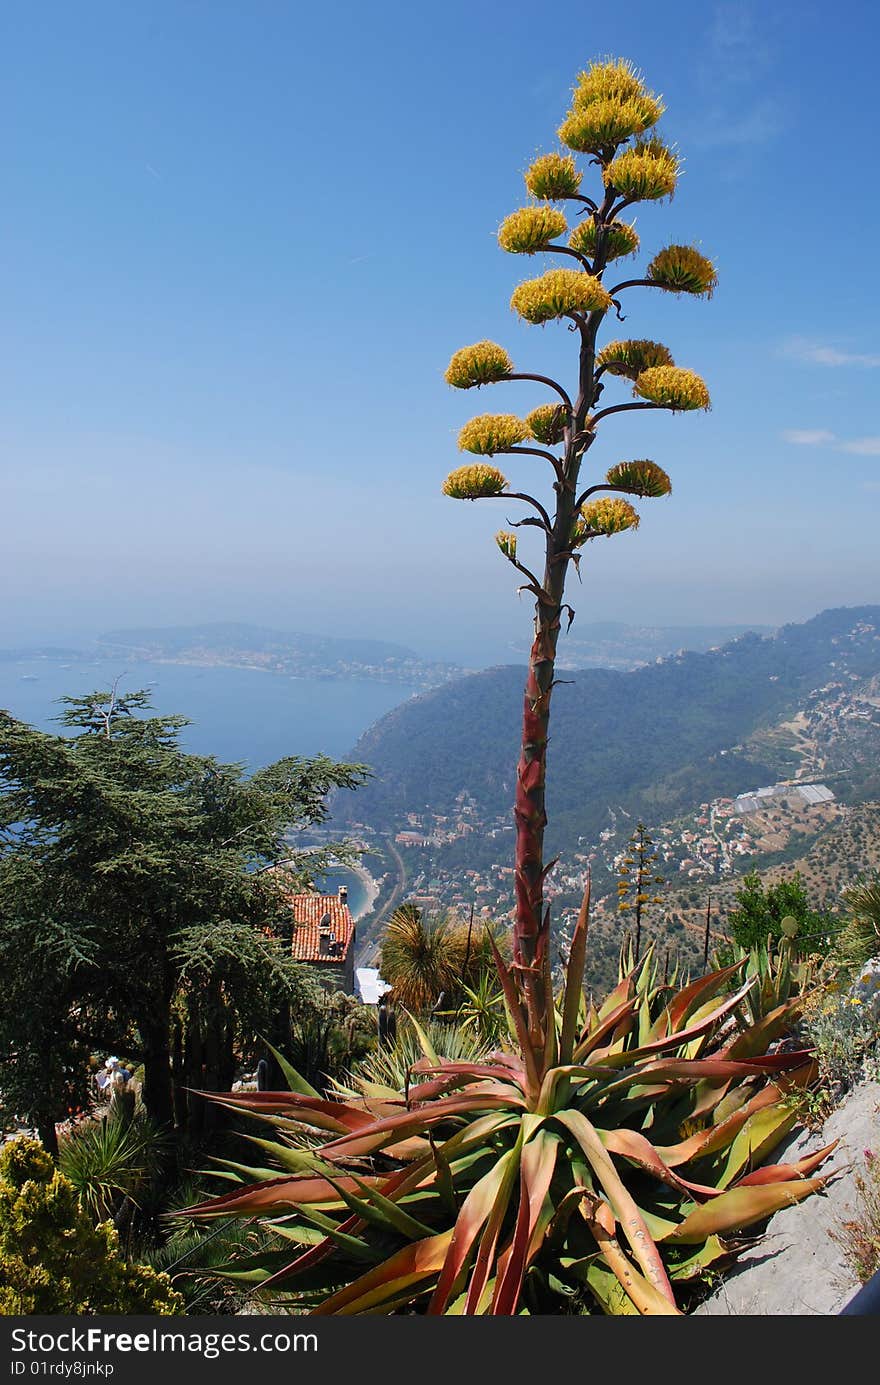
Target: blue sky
(242, 241)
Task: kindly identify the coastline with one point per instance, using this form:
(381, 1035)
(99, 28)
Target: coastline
(370, 886)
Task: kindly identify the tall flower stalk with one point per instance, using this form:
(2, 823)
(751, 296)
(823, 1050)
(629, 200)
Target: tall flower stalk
(612, 111)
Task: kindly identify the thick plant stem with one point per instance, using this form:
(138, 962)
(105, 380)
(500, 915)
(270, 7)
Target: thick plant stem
(531, 932)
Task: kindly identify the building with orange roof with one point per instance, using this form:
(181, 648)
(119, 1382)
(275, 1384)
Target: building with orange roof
(323, 935)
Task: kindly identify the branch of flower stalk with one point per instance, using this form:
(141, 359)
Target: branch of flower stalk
(635, 284)
(542, 380)
(537, 452)
(529, 500)
(624, 408)
(591, 490)
(569, 250)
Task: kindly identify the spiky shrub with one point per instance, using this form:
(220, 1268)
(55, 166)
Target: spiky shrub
(606, 1175)
(601, 1155)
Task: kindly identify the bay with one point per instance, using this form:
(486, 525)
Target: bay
(239, 715)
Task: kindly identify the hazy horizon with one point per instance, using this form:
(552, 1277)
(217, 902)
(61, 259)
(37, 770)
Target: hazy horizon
(242, 245)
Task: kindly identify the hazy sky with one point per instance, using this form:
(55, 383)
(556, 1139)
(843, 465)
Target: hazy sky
(242, 241)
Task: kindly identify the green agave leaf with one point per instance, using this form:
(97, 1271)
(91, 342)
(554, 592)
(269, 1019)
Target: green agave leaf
(605, 1288)
(695, 1266)
(412, 1265)
(294, 1081)
(742, 1207)
(760, 1135)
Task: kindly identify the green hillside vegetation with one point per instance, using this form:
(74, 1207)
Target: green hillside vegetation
(655, 741)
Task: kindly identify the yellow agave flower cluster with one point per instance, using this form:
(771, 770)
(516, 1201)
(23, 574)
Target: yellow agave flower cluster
(610, 105)
(484, 363)
(643, 478)
(553, 177)
(506, 541)
(683, 269)
(620, 239)
(631, 358)
(557, 293)
(604, 517)
(547, 423)
(672, 387)
(531, 229)
(490, 433)
(645, 172)
(475, 482)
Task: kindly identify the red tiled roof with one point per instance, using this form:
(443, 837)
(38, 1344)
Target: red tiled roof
(308, 911)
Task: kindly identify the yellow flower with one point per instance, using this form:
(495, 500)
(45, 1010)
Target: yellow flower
(490, 433)
(474, 482)
(507, 543)
(630, 358)
(557, 293)
(531, 229)
(480, 364)
(608, 516)
(615, 79)
(644, 478)
(603, 124)
(673, 387)
(620, 239)
(682, 269)
(547, 423)
(647, 171)
(553, 177)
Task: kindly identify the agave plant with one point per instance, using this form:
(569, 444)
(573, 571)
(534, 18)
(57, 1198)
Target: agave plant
(611, 1168)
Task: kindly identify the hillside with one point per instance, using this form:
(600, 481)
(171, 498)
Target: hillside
(651, 742)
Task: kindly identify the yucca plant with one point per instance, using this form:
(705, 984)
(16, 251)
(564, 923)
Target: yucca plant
(111, 1162)
(612, 1170)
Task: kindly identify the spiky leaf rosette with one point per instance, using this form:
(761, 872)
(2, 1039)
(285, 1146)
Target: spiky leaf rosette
(553, 177)
(682, 269)
(617, 79)
(602, 125)
(620, 239)
(631, 358)
(608, 515)
(475, 482)
(507, 543)
(481, 364)
(531, 229)
(643, 478)
(557, 293)
(646, 172)
(490, 433)
(547, 423)
(673, 387)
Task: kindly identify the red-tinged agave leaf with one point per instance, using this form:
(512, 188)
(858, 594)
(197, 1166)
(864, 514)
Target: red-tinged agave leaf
(574, 978)
(477, 1208)
(536, 1165)
(689, 997)
(650, 1302)
(429, 1091)
(399, 1182)
(588, 1046)
(325, 1115)
(759, 1036)
(384, 1133)
(622, 1203)
(740, 1207)
(639, 1150)
(782, 1173)
(703, 1142)
(490, 1067)
(760, 1135)
(267, 1195)
(407, 1267)
(514, 1009)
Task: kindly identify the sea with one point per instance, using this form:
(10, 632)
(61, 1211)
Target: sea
(239, 715)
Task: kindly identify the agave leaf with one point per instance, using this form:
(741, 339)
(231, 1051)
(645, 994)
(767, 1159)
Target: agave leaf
(424, 1042)
(295, 1082)
(740, 1207)
(352, 1245)
(536, 1165)
(761, 1133)
(294, 1160)
(574, 979)
(608, 1292)
(782, 1173)
(709, 1254)
(383, 1133)
(411, 1265)
(762, 1033)
(689, 997)
(603, 1028)
(268, 1195)
(487, 1194)
(639, 1150)
(644, 1297)
(393, 1213)
(622, 1204)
